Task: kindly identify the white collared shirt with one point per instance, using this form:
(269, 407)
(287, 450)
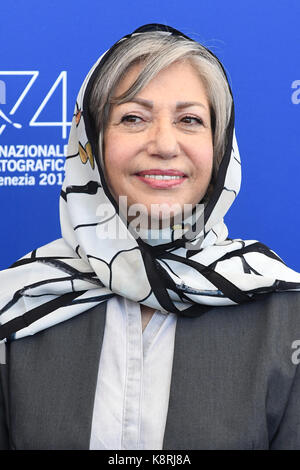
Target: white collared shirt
(133, 386)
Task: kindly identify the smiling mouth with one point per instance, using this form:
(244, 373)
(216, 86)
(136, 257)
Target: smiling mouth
(161, 179)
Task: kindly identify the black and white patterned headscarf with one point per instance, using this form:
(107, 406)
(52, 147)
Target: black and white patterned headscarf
(80, 270)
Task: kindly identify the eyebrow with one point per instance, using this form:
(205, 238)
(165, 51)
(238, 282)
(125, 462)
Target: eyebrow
(179, 104)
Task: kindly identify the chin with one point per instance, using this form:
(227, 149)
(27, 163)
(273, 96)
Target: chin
(164, 212)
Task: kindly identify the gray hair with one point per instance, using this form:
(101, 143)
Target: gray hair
(157, 50)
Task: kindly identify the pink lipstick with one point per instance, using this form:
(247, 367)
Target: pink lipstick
(161, 179)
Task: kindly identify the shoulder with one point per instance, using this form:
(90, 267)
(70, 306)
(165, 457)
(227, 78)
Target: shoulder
(264, 331)
(276, 309)
(65, 345)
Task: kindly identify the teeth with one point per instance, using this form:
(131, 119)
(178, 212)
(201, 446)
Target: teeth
(162, 177)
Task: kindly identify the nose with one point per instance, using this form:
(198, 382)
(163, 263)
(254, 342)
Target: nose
(163, 139)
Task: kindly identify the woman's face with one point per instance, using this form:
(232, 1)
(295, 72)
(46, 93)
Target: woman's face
(158, 148)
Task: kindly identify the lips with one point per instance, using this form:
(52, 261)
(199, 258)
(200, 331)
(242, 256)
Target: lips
(156, 171)
(157, 178)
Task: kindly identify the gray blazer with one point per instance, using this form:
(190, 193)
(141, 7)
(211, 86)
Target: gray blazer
(234, 385)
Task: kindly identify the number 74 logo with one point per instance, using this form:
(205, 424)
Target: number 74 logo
(61, 79)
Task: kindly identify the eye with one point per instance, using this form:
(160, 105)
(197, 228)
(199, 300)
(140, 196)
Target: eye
(130, 119)
(198, 120)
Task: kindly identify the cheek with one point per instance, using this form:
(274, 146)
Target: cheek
(203, 160)
(118, 153)
(110, 154)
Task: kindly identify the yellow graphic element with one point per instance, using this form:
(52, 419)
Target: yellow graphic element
(77, 117)
(86, 154)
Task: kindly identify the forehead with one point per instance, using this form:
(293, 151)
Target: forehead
(180, 77)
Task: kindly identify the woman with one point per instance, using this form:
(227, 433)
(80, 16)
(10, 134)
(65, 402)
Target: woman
(145, 326)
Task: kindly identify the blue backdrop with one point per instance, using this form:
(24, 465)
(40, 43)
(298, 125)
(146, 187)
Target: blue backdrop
(48, 47)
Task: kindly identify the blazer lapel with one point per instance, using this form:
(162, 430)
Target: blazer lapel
(56, 371)
(181, 424)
